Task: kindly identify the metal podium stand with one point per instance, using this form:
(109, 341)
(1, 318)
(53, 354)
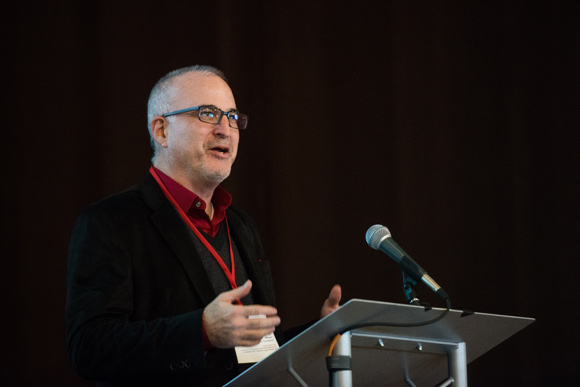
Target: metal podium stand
(430, 355)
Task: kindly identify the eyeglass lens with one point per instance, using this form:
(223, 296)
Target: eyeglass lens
(212, 115)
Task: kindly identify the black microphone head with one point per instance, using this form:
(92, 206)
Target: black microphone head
(376, 234)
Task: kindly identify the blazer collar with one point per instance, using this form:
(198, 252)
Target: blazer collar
(168, 222)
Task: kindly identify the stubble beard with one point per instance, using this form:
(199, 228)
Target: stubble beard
(215, 174)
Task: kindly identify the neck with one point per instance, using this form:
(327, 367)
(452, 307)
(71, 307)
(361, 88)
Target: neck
(209, 210)
(203, 189)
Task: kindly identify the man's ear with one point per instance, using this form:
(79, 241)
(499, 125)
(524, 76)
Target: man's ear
(159, 130)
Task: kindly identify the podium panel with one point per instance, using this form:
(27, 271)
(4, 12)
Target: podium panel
(384, 356)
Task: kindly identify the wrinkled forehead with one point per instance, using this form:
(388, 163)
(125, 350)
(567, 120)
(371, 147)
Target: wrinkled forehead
(197, 88)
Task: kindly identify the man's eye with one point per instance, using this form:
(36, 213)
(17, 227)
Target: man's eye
(209, 113)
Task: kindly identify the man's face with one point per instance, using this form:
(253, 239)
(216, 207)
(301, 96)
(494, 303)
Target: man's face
(200, 152)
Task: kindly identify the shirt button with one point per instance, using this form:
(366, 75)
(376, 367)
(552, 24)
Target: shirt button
(198, 204)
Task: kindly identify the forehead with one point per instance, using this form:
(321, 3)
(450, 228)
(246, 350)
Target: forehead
(197, 88)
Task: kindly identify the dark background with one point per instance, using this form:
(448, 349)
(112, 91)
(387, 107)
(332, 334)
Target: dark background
(455, 124)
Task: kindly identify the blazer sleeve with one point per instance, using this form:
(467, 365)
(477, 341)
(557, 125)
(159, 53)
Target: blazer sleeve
(105, 340)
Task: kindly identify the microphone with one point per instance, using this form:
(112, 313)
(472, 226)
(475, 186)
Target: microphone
(379, 238)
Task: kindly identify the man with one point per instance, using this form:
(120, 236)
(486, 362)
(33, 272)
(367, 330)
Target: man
(162, 278)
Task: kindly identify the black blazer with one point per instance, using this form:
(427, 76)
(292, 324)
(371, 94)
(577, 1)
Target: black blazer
(136, 289)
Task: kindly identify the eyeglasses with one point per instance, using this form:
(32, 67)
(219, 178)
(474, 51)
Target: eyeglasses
(213, 115)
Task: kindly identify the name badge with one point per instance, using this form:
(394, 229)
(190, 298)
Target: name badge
(255, 353)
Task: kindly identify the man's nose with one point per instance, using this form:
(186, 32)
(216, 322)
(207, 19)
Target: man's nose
(223, 128)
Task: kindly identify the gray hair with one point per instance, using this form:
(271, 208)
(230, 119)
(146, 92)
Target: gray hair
(160, 97)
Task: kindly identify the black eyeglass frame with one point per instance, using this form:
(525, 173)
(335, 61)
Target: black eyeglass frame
(222, 113)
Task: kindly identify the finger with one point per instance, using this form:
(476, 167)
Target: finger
(335, 295)
(255, 334)
(237, 293)
(253, 331)
(257, 310)
(249, 341)
(264, 323)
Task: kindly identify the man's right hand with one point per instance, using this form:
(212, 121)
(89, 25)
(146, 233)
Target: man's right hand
(228, 325)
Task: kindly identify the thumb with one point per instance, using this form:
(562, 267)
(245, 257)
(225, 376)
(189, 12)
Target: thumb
(335, 295)
(237, 293)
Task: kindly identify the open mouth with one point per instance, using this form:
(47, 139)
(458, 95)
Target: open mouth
(221, 149)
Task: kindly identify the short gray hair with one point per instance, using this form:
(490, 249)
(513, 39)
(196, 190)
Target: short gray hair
(159, 99)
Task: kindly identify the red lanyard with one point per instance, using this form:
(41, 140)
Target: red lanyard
(230, 274)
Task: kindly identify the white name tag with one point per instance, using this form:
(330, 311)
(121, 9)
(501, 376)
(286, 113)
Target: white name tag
(259, 351)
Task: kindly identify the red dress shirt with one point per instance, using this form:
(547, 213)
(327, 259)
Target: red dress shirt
(194, 207)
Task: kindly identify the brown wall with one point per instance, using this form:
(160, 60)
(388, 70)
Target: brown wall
(455, 125)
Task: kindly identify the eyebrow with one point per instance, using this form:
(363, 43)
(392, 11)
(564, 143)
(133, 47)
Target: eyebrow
(227, 111)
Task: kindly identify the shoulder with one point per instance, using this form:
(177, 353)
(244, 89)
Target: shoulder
(122, 210)
(140, 198)
(117, 206)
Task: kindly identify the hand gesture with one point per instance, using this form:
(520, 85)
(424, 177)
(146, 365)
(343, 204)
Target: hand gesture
(331, 303)
(228, 325)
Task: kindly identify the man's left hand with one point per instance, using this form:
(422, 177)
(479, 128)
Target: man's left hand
(331, 303)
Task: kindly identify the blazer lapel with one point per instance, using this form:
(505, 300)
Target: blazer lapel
(255, 266)
(173, 229)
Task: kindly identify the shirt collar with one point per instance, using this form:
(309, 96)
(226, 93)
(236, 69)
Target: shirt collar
(190, 202)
